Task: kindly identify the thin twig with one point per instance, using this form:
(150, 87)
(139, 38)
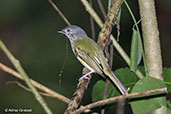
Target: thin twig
(111, 100)
(111, 56)
(101, 8)
(92, 24)
(36, 84)
(120, 106)
(117, 22)
(19, 84)
(26, 88)
(59, 12)
(91, 11)
(19, 68)
(105, 94)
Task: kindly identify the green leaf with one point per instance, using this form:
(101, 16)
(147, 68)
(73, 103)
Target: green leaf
(141, 68)
(127, 78)
(98, 91)
(136, 51)
(167, 78)
(148, 104)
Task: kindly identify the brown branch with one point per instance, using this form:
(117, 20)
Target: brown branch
(110, 20)
(111, 100)
(78, 94)
(36, 84)
(59, 12)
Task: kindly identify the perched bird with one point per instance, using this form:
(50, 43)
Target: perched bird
(90, 54)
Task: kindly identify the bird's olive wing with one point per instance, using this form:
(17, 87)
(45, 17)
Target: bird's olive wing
(89, 60)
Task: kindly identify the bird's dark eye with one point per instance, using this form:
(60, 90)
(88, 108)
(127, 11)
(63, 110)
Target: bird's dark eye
(68, 30)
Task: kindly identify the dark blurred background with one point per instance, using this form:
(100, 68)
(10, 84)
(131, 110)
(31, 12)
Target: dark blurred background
(29, 30)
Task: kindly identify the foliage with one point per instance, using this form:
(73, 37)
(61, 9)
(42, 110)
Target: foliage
(139, 105)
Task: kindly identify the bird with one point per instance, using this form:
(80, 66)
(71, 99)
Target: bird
(90, 54)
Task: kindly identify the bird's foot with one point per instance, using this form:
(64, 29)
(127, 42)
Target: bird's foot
(126, 93)
(85, 76)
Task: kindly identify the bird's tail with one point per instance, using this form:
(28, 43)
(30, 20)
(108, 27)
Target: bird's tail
(116, 81)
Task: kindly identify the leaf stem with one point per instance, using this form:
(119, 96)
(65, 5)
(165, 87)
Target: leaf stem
(139, 36)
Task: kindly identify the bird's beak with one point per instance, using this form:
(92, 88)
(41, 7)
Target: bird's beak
(61, 32)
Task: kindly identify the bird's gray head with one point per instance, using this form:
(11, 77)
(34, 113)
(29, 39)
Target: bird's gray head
(73, 32)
